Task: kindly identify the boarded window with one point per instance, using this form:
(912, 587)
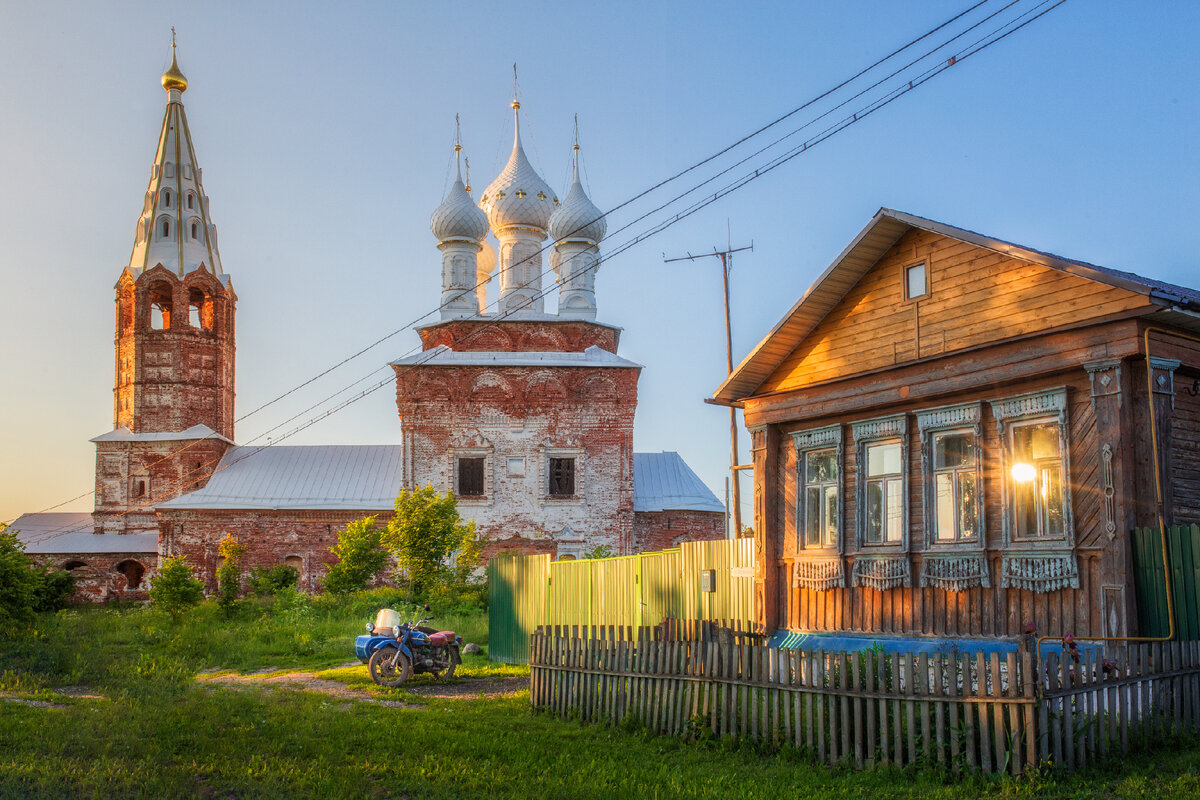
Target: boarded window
(562, 477)
(470, 477)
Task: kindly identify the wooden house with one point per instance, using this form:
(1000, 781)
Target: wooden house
(953, 437)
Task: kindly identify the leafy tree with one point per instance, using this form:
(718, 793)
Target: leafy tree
(600, 551)
(269, 581)
(54, 590)
(430, 541)
(18, 583)
(229, 574)
(360, 556)
(175, 589)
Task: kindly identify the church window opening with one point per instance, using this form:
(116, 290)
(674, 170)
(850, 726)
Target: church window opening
(70, 566)
(139, 488)
(190, 200)
(200, 309)
(166, 228)
(470, 477)
(195, 231)
(562, 477)
(159, 296)
(167, 198)
(194, 315)
(133, 572)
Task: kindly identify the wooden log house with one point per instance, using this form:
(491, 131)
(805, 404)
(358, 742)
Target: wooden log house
(952, 440)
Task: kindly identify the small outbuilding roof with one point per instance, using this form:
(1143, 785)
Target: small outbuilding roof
(883, 231)
(71, 532)
(335, 477)
(664, 482)
(194, 432)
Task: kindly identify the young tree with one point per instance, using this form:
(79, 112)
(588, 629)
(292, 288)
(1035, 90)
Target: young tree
(18, 583)
(270, 581)
(360, 557)
(429, 540)
(229, 574)
(174, 589)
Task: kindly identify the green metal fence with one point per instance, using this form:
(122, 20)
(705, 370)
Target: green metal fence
(1183, 557)
(697, 580)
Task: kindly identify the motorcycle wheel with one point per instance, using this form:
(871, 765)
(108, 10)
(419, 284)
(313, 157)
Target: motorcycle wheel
(455, 660)
(384, 673)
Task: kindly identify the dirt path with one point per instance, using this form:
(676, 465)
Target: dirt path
(308, 681)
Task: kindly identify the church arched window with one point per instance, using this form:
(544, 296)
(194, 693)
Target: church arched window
(167, 198)
(165, 227)
(195, 230)
(191, 199)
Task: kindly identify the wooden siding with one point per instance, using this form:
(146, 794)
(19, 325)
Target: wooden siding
(976, 297)
(982, 612)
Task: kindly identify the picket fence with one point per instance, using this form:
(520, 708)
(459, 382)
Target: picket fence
(992, 712)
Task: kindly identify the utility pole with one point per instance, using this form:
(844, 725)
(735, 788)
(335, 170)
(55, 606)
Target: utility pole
(726, 257)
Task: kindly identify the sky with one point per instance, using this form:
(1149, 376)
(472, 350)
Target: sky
(325, 132)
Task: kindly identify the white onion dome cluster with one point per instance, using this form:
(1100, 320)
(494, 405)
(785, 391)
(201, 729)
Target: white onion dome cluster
(518, 196)
(577, 217)
(458, 217)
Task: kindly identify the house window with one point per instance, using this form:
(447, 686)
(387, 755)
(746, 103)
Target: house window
(955, 486)
(562, 477)
(884, 510)
(1036, 468)
(1038, 510)
(470, 477)
(915, 284)
(820, 512)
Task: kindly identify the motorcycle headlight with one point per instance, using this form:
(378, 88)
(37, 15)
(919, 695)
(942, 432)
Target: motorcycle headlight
(370, 627)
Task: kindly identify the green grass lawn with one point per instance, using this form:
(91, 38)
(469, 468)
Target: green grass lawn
(153, 730)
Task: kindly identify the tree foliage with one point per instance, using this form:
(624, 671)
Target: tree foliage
(175, 589)
(270, 581)
(25, 588)
(360, 556)
(430, 541)
(229, 574)
(600, 551)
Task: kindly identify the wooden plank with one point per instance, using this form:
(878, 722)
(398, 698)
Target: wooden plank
(911, 706)
(1015, 745)
(844, 684)
(881, 682)
(820, 678)
(859, 735)
(971, 714)
(985, 736)
(938, 689)
(950, 682)
(897, 722)
(922, 686)
(1069, 749)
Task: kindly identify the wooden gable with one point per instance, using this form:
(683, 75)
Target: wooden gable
(976, 296)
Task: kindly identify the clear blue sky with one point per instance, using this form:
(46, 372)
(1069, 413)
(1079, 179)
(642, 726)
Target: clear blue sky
(325, 131)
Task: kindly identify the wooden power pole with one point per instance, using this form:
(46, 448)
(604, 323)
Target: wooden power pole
(726, 257)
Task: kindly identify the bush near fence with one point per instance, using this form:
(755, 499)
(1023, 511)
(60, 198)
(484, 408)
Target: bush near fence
(987, 712)
(633, 591)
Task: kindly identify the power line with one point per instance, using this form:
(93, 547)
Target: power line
(663, 225)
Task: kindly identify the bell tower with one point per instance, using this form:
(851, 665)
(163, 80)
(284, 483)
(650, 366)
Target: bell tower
(174, 374)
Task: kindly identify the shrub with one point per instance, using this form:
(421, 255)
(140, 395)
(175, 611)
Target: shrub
(430, 541)
(54, 588)
(175, 589)
(229, 574)
(360, 557)
(18, 583)
(269, 581)
(600, 551)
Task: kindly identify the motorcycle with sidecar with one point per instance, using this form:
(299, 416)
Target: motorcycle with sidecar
(395, 650)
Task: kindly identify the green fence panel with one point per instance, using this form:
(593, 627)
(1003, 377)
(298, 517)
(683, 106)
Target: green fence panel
(629, 591)
(516, 604)
(1183, 551)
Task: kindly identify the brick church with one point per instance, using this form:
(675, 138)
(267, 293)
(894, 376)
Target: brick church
(526, 415)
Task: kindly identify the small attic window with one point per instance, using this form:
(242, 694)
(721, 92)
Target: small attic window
(915, 282)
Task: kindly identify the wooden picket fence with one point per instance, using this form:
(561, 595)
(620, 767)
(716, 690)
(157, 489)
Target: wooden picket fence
(989, 712)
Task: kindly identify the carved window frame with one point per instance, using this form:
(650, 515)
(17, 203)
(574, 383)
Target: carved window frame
(949, 419)
(809, 441)
(874, 431)
(1047, 405)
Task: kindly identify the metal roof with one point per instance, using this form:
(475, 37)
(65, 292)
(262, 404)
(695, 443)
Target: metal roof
(664, 482)
(194, 432)
(883, 231)
(336, 477)
(67, 532)
(443, 356)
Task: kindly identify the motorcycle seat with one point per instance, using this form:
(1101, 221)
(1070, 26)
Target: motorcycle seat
(441, 638)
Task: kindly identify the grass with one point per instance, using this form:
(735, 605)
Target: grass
(157, 732)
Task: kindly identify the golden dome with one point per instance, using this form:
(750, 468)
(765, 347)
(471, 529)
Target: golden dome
(173, 78)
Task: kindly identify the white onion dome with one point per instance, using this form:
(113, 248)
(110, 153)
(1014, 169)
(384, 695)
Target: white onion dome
(518, 196)
(458, 217)
(485, 262)
(577, 217)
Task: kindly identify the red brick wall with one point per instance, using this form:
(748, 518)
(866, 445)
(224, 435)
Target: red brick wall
(168, 469)
(271, 536)
(520, 336)
(172, 379)
(659, 530)
(100, 578)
